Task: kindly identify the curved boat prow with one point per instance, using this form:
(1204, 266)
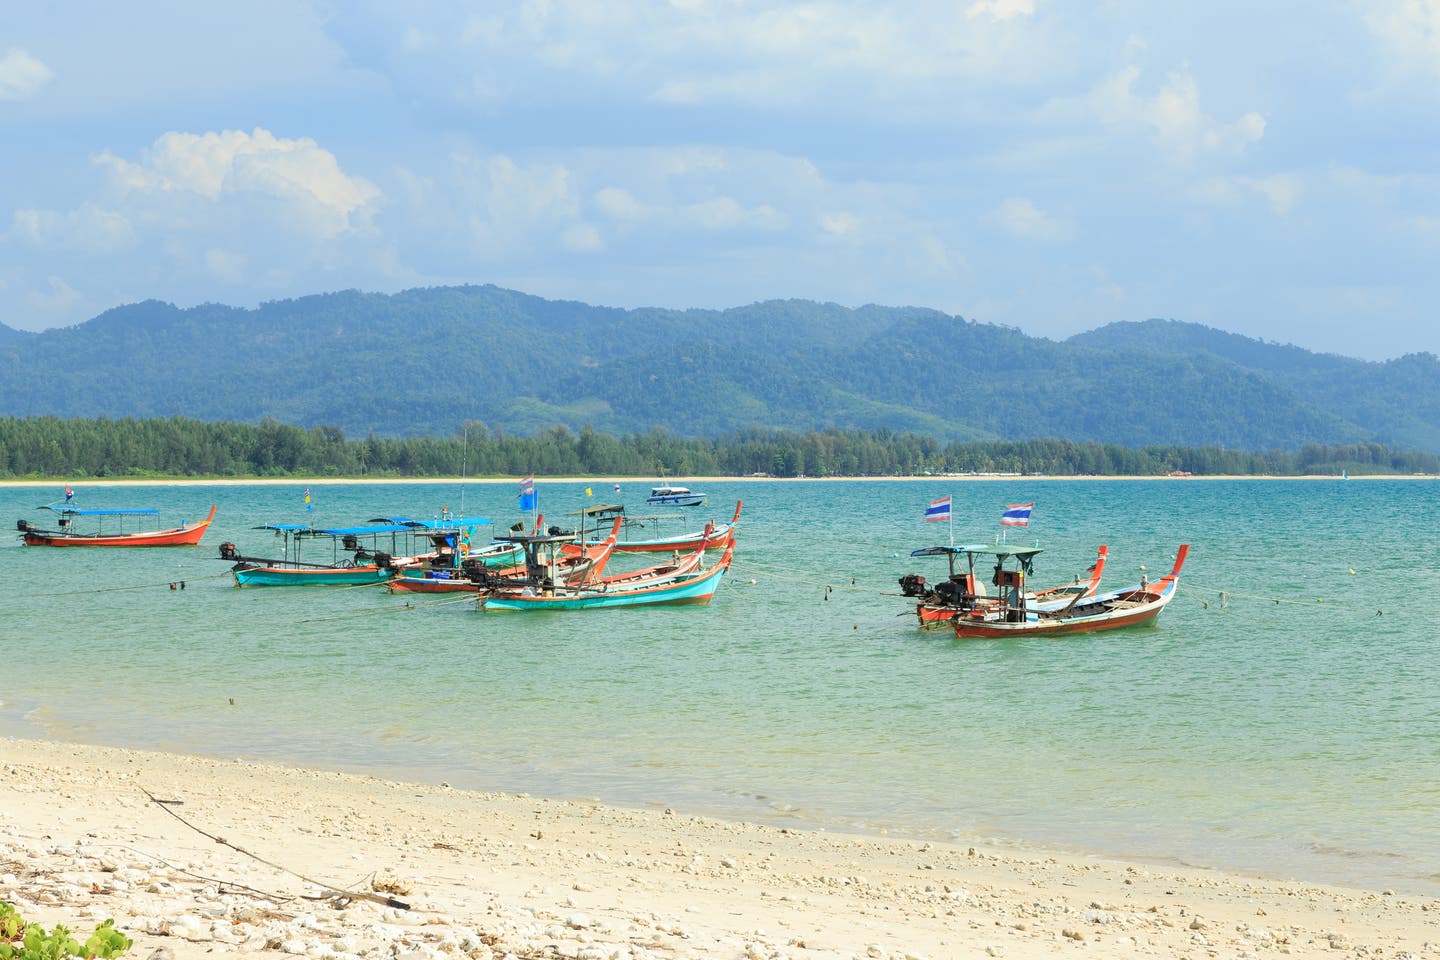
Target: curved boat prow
(1098, 570)
(1180, 556)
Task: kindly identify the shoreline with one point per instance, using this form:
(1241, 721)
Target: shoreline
(489, 875)
(937, 478)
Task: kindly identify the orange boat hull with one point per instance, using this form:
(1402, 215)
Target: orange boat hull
(186, 536)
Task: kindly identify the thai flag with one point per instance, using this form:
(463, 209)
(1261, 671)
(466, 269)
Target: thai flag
(1016, 515)
(68, 493)
(528, 485)
(528, 501)
(938, 510)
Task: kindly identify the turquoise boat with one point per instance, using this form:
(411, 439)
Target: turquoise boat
(359, 555)
(693, 586)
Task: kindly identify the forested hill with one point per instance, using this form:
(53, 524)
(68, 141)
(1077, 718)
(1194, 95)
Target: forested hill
(1398, 400)
(422, 361)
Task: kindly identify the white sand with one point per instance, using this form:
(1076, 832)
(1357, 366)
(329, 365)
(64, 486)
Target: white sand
(489, 875)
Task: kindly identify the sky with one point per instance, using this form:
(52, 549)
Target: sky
(1270, 169)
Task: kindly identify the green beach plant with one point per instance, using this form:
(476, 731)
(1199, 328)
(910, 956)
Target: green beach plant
(31, 941)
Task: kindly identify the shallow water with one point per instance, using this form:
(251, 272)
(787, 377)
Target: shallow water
(1281, 718)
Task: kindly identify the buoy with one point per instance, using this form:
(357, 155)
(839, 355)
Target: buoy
(1352, 571)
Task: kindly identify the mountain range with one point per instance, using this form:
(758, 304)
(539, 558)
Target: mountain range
(423, 361)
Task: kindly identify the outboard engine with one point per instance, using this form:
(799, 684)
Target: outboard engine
(912, 585)
(228, 551)
(350, 542)
(476, 572)
(384, 561)
(950, 592)
(24, 526)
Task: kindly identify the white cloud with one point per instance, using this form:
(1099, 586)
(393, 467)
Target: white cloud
(1020, 217)
(1001, 9)
(21, 75)
(88, 229)
(59, 300)
(726, 213)
(226, 265)
(1408, 32)
(619, 204)
(840, 224)
(1280, 191)
(582, 238)
(299, 173)
(1172, 114)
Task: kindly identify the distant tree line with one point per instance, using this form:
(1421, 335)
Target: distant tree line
(52, 447)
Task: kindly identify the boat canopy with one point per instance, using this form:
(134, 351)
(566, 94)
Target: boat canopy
(601, 510)
(377, 525)
(1000, 551)
(439, 523)
(72, 512)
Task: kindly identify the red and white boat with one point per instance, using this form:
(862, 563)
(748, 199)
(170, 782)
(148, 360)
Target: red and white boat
(941, 602)
(1010, 615)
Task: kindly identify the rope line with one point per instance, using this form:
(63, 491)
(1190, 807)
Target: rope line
(139, 586)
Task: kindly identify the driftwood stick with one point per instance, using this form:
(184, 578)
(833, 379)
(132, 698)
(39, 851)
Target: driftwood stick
(331, 891)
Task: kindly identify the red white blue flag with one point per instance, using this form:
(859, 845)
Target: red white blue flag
(1016, 515)
(528, 500)
(68, 493)
(528, 484)
(938, 510)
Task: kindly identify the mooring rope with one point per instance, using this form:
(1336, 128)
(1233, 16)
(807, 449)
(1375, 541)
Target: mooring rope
(172, 584)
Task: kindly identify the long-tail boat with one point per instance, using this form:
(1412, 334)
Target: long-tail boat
(1011, 615)
(941, 602)
(681, 582)
(358, 555)
(186, 535)
(714, 535)
(443, 571)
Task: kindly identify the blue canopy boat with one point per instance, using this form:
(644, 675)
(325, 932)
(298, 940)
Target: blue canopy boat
(358, 555)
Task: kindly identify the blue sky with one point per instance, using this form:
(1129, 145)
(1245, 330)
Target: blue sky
(1269, 169)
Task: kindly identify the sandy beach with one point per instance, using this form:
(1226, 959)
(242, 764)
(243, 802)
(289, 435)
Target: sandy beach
(490, 876)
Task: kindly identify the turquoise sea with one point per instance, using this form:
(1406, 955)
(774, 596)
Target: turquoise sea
(1282, 718)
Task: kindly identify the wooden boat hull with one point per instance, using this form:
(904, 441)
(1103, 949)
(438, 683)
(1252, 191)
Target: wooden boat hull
(714, 539)
(185, 536)
(1132, 607)
(934, 616)
(322, 576)
(422, 579)
(685, 588)
(696, 590)
(404, 584)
